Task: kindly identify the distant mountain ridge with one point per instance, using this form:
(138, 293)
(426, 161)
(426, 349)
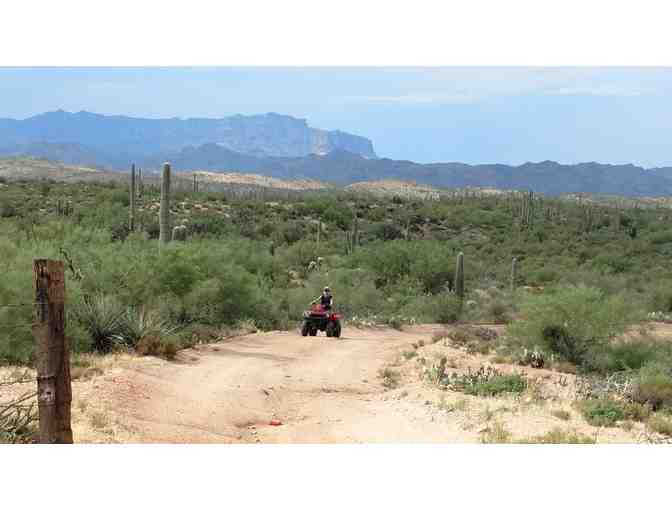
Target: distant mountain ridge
(116, 140)
(342, 167)
(284, 147)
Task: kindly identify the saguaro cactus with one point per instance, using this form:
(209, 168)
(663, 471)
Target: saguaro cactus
(459, 275)
(355, 232)
(141, 187)
(164, 211)
(131, 205)
(514, 273)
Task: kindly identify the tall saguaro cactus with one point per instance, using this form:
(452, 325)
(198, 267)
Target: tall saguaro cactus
(514, 273)
(459, 275)
(164, 211)
(355, 232)
(141, 187)
(131, 205)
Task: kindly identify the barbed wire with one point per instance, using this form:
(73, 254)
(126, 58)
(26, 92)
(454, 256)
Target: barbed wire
(13, 305)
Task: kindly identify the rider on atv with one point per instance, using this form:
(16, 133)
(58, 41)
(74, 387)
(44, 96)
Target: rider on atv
(325, 299)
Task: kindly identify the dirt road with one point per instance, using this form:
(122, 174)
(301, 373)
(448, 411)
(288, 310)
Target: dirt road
(321, 390)
(318, 390)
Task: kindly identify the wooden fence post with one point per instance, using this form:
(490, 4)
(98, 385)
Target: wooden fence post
(54, 391)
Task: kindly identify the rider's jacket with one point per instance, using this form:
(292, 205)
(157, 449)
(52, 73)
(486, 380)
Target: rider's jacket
(325, 301)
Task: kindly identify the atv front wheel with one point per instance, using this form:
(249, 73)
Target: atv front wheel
(304, 329)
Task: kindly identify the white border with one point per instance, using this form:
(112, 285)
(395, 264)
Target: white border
(347, 32)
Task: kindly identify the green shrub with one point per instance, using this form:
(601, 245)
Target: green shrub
(486, 382)
(572, 322)
(631, 355)
(653, 386)
(602, 412)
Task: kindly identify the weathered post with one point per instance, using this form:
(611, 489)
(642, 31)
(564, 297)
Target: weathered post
(54, 391)
(164, 210)
(195, 184)
(131, 205)
(459, 275)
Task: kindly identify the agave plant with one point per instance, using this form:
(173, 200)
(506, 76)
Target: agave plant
(139, 323)
(103, 318)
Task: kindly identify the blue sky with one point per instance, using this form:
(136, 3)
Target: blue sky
(469, 114)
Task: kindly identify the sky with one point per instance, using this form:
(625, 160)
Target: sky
(508, 115)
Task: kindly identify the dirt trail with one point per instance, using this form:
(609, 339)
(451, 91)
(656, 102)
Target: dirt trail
(322, 390)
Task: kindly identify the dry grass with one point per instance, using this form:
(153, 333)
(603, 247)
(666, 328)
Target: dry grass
(558, 436)
(100, 420)
(660, 425)
(495, 433)
(561, 414)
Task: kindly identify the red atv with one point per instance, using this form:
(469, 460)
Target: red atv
(317, 318)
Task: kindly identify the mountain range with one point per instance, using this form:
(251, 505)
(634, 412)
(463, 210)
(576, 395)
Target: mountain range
(286, 147)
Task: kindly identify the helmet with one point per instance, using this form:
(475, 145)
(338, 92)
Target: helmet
(327, 289)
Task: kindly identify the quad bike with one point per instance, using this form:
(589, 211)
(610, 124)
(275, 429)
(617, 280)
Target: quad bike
(318, 319)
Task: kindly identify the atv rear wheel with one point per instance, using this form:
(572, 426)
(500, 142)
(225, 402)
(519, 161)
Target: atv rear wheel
(333, 329)
(312, 332)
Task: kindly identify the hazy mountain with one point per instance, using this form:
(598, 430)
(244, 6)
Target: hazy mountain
(285, 147)
(343, 167)
(119, 140)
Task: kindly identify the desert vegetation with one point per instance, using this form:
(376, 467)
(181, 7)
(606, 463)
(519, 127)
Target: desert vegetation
(389, 259)
(571, 283)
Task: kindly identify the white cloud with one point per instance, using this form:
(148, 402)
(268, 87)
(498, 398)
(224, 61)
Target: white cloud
(415, 98)
(602, 90)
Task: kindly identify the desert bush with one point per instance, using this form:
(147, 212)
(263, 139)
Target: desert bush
(485, 382)
(474, 339)
(561, 414)
(158, 346)
(558, 436)
(636, 412)
(389, 377)
(660, 424)
(572, 322)
(495, 433)
(630, 355)
(653, 386)
(602, 412)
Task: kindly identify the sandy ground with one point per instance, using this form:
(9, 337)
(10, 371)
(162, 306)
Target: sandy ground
(319, 390)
